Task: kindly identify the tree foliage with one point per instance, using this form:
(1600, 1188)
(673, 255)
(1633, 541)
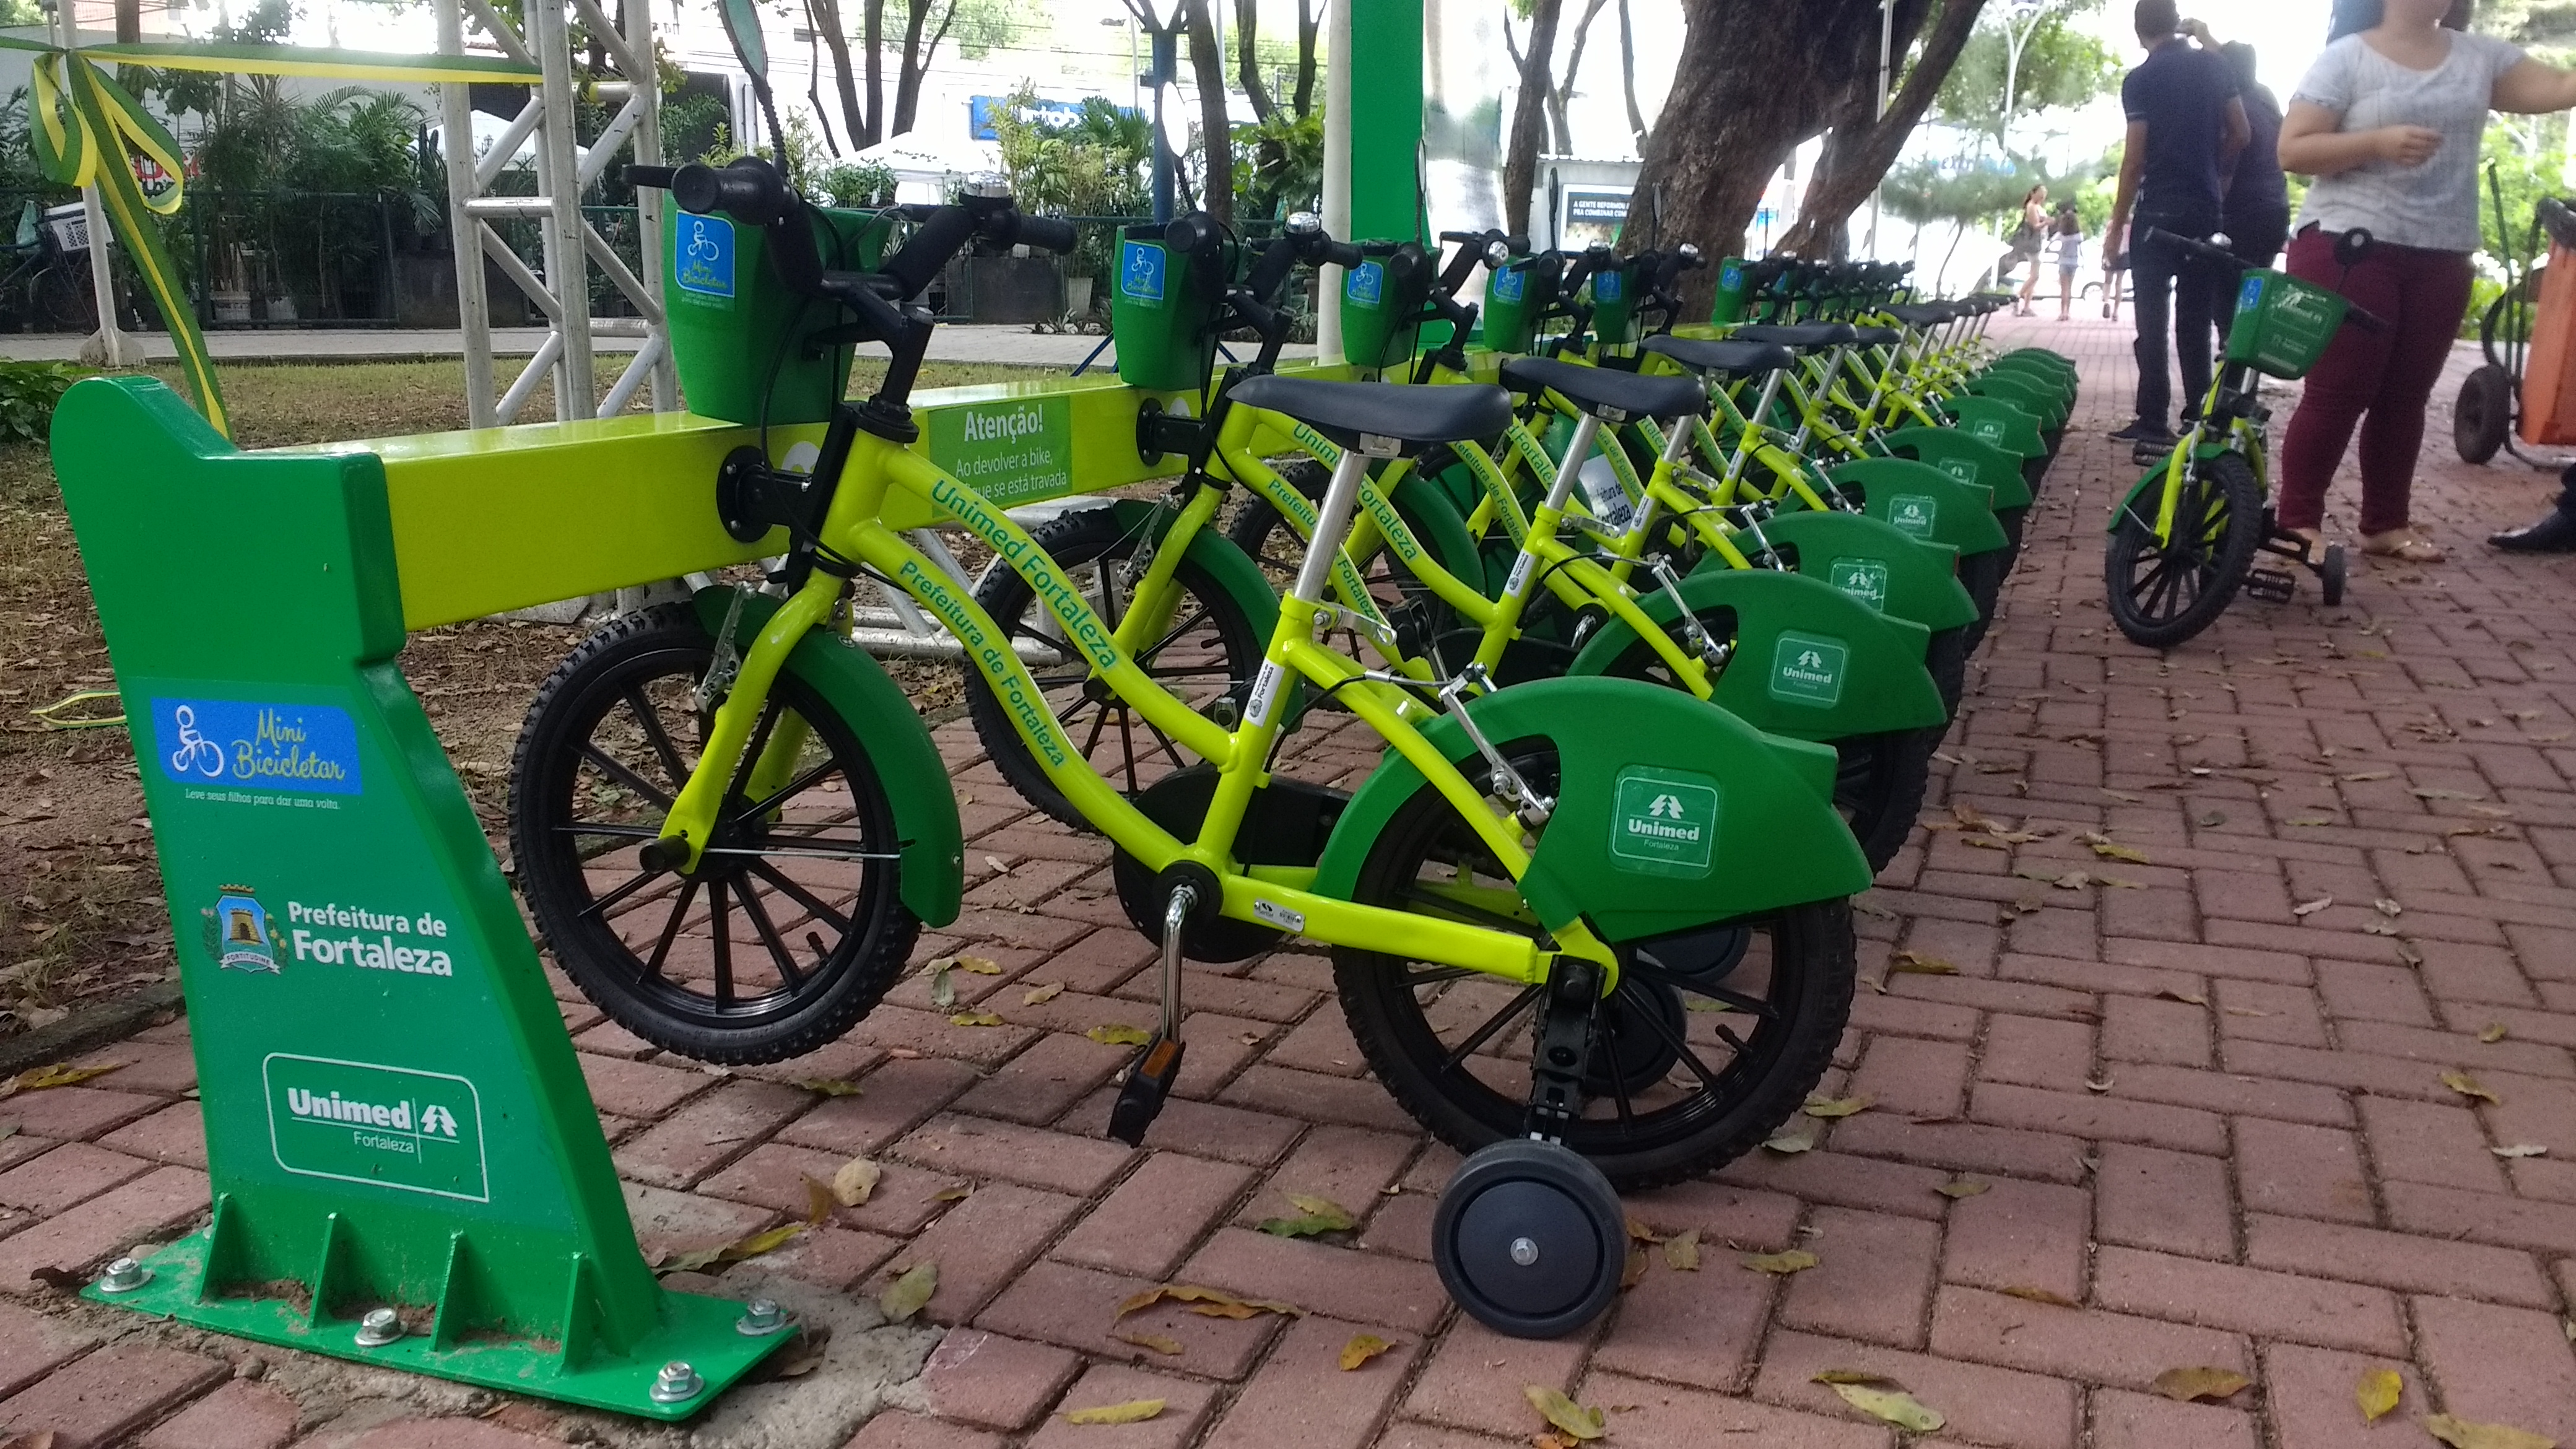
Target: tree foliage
(2062, 64)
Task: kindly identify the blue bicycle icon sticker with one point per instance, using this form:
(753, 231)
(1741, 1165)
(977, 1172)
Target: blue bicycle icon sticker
(196, 754)
(702, 255)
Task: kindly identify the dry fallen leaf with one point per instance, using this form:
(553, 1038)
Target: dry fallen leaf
(1362, 1348)
(2041, 1295)
(1892, 1405)
(1959, 1187)
(2467, 1086)
(2378, 1393)
(1788, 1143)
(1162, 1343)
(975, 1018)
(37, 1079)
(2187, 1384)
(1116, 1035)
(1633, 1272)
(1206, 1302)
(2387, 907)
(1315, 1215)
(1041, 995)
(952, 1194)
(943, 991)
(750, 1246)
(828, 1086)
(1681, 1252)
(2109, 849)
(1564, 1413)
(2193, 998)
(1915, 963)
(2521, 1149)
(1796, 1260)
(1134, 1411)
(904, 1296)
(978, 965)
(2492, 1032)
(2305, 909)
(1819, 1105)
(2463, 1434)
(857, 1178)
(1853, 1376)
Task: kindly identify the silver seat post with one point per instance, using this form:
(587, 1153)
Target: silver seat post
(1586, 429)
(1754, 423)
(1332, 526)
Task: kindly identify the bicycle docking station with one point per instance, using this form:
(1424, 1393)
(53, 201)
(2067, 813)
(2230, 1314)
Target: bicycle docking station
(407, 1167)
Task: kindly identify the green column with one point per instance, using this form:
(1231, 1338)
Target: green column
(1386, 118)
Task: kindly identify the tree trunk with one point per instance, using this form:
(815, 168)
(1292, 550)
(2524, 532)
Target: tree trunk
(1751, 82)
(1309, 21)
(1863, 145)
(1628, 78)
(1529, 114)
(1216, 181)
(1247, 58)
(1559, 95)
(916, 61)
(873, 39)
(825, 16)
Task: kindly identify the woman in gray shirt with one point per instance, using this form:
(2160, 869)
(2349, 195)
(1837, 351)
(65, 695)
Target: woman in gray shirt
(2389, 121)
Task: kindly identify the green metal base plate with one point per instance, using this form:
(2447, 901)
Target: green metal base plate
(695, 1329)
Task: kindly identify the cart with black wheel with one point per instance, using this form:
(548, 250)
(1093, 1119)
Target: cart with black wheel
(2488, 415)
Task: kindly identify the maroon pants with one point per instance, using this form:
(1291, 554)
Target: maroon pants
(2378, 379)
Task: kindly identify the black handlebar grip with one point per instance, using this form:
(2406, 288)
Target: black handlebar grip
(748, 190)
(1047, 233)
(1520, 245)
(1339, 254)
(658, 177)
(1190, 235)
(1468, 238)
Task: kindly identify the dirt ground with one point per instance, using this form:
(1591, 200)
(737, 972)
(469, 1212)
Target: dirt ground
(81, 915)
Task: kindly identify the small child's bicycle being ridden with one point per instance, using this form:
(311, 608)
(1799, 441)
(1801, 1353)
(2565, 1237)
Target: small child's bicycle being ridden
(1587, 957)
(2183, 540)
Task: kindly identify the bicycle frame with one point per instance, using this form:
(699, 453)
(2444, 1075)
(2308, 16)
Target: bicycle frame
(1273, 896)
(2243, 437)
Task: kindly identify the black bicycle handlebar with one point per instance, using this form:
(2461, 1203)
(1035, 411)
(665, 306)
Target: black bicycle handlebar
(2353, 245)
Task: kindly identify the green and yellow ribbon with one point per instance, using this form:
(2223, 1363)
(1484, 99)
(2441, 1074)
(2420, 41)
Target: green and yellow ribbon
(86, 129)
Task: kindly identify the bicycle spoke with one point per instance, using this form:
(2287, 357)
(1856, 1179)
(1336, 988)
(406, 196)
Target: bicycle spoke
(1476, 1039)
(1740, 1001)
(1682, 1045)
(642, 879)
(801, 896)
(617, 770)
(649, 720)
(778, 952)
(1159, 645)
(723, 944)
(671, 929)
(789, 791)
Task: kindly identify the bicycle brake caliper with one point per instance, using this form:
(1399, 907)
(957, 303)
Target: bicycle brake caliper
(1533, 808)
(718, 680)
(1695, 635)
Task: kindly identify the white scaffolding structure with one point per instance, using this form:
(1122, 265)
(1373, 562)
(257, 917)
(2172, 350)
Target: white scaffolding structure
(572, 246)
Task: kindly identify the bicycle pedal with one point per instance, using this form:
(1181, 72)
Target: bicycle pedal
(2275, 588)
(1148, 1086)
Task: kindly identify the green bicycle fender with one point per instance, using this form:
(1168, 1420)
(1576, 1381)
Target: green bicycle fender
(2052, 390)
(1884, 687)
(1968, 459)
(2036, 398)
(933, 849)
(2040, 359)
(1769, 837)
(1999, 421)
(2153, 478)
(1232, 570)
(1925, 502)
(1847, 550)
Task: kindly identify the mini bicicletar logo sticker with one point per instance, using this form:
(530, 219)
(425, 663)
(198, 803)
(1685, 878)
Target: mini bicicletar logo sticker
(702, 254)
(1609, 286)
(1914, 514)
(1366, 284)
(1510, 284)
(395, 1127)
(1141, 268)
(1731, 278)
(1809, 669)
(238, 936)
(297, 749)
(1664, 822)
(1864, 579)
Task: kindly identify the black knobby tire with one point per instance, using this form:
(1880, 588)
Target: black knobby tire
(772, 948)
(2163, 596)
(2330, 574)
(1208, 651)
(2483, 414)
(1759, 1039)
(1879, 788)
(1982, 575)
(1946, 659)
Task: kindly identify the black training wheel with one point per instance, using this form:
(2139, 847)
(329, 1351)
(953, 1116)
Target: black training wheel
(2483, 413)
(1530, 1239)
(2330, 574)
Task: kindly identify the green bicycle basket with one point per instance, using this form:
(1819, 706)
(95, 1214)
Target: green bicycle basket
(1729, 307)
(2283, 325)
(1614, 305)
(1160, 311)
(1382, 301)
(731, 316)
(1513, 300)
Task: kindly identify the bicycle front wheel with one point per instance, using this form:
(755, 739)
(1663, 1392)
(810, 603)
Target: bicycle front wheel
(2164, 593)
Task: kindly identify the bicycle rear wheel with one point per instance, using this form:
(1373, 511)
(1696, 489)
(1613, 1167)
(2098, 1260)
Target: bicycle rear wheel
(2162, 594)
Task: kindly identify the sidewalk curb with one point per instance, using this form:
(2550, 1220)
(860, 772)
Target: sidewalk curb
(90, 1027)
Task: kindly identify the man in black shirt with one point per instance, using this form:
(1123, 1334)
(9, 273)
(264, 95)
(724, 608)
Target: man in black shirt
(2256, 214)
(2186, 129)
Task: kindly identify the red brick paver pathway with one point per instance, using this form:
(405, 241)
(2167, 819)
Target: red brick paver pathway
(2205, 1102)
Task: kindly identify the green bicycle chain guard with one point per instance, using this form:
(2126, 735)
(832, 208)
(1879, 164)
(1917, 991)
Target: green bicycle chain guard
(1878, 684)
(2039, 399)
(882, 716)
(1874, 562)
(1923, 502)
(1680, 816)
(1996, 420)
(1969, 459)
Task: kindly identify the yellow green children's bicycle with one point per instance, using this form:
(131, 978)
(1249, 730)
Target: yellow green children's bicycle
(2183, 539)
(1584, 956)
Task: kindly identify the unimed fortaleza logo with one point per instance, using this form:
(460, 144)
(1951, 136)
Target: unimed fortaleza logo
(1864, 579)
(395, 1127)
(1664, 822)
(1914, 514)
(1807, 669)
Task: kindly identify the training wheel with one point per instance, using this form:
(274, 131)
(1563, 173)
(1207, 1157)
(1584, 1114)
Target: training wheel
(2330, 571)
(1530, 1239)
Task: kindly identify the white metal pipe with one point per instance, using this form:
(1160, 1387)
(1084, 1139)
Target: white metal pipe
(538, 366)
(517, 271)
(627, 282)
(559, 177)
(456, 145)
(638, 368)
(488, 168)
